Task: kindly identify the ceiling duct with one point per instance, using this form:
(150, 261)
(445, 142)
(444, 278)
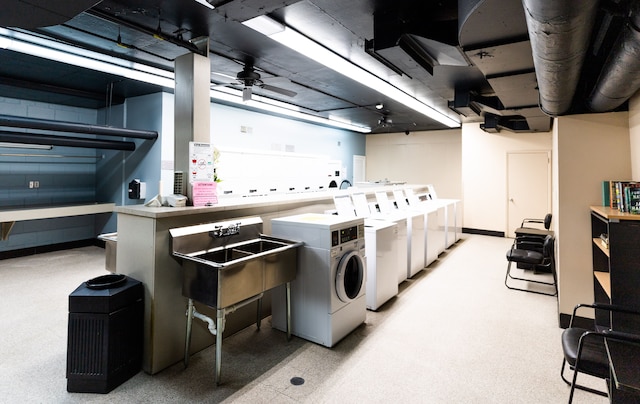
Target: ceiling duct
(403, 32)
(44, 124)
(559, 32)
(68, 141)
(619, 78)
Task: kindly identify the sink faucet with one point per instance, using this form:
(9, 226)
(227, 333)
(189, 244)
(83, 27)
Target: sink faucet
(230, 230)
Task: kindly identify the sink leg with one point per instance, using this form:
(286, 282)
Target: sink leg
(220, 329)
(259, 317)
(288, 305)
(187, 340)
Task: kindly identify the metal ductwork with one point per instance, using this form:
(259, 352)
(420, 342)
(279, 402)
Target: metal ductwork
(559, 32)
(69, 141)
(45, 124)
(619, 78)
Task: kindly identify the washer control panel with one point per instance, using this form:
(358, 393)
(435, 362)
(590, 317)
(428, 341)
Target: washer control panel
(347, 234)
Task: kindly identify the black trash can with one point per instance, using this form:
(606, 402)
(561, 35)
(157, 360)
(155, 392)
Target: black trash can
(104, 343)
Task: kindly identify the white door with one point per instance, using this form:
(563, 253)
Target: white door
(359, 170)
(528, 187)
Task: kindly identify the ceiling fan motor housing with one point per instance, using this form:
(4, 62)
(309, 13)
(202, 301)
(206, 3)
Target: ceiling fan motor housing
(248, 76)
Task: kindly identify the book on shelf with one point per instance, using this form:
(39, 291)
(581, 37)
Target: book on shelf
(606, 193)
(623, 195)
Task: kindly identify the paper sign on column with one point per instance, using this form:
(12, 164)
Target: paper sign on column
(205, 193)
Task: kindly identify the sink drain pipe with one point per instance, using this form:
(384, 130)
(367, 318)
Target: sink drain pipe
(211, 322)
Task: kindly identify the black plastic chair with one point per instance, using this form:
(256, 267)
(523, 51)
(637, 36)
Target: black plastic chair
(543, 261)
(531, 238)
(546, 222)
(585, 351)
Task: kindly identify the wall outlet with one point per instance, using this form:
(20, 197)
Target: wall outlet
(30, 184)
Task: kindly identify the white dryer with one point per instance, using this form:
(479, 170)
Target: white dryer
(328, 295)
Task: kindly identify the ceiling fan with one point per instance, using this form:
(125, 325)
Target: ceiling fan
(386, 122)
(248, 77)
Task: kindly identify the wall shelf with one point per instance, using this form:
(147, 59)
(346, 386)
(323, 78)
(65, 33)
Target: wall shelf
(9, 217)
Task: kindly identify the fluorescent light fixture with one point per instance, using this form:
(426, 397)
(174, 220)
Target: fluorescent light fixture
(59, 52)
(277, 107)
(305, 46)
(26, 146)
(205, 3)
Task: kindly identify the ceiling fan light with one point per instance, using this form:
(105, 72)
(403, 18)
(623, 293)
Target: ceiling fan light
(246, 94)
(379, 105)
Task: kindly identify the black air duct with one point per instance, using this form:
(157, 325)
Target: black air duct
(559, 32)
(43, 124)
(69, 141)
(619, 78)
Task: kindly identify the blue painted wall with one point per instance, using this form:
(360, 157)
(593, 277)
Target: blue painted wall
(103, 175)
(64, 175)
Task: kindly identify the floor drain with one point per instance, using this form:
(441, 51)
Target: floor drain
(297, 381)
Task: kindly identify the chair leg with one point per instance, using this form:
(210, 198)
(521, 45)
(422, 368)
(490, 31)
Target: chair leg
(508, 275)
(578, 386)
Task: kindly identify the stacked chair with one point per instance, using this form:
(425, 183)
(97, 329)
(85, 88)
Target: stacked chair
(533, 250)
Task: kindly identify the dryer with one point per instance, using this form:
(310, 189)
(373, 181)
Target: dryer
(328, 295)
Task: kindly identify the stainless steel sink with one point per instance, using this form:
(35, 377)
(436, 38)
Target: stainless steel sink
(226, 265)
(225, 275)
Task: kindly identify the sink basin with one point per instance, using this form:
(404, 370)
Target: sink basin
(221, 257)
(222, 271)
(260, 246)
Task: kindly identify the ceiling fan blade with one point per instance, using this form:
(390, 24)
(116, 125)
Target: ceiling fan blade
(279, 90)
(223, 77)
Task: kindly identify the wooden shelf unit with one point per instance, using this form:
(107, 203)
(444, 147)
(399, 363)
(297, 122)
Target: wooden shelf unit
(616, 269)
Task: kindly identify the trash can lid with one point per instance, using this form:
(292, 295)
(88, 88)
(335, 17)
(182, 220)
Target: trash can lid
(106, 281)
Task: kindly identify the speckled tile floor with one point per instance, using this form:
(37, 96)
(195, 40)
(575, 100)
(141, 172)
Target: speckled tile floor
(454, 334)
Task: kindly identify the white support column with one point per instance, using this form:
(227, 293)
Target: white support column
(192, 107)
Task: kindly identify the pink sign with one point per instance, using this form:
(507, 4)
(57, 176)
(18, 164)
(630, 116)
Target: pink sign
(205, 193)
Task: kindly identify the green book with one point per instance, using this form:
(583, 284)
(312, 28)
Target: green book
(605, 193)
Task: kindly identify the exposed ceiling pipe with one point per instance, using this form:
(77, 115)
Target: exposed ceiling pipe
(169, 38)
(44, 124)
(619, 78)
(559, 31)
(69, 141)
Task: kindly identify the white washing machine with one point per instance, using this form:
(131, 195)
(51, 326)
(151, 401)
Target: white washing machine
(381, 251)
(415, 233)
(381, 239)
(362, 210)
(434, 218)
(328, 295)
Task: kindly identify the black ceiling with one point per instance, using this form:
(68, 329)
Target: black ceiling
(471, 57)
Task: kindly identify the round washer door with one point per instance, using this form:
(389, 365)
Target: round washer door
(350, 276)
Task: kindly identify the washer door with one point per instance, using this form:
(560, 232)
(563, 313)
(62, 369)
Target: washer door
(350, 276)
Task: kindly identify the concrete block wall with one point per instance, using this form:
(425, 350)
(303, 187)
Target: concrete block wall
(62, 175)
